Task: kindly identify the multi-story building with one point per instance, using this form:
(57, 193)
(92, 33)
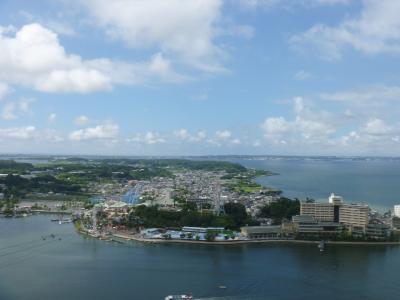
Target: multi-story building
(354, 217)
(397, 210)
(395, 222)
(377, 229)
(261, 232)
(323, 212)
(335, 199)
(306, 225)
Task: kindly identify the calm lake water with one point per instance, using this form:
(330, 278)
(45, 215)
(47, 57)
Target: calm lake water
(78, 268)
(372, 181)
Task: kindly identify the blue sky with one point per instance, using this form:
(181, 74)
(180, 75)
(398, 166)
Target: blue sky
(177, 77)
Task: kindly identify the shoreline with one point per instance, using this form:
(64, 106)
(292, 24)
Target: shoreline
(242, 242)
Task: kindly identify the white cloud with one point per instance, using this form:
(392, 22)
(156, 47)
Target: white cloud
(25, 106)
(52, 117)
(103, 131)
(367, 95)
(184, 135)
(57, 25)
(8, 112)
(236, 141)
(149, 138)
(374, 137)
(12, 110)
(376, 30)
(274, 126)
(51, 135)
(313, 131)
(183, 29)
(223, 138)
(4, 90)
(161, 67)
(307, 126)
(377, 127)
(81, 120)
(223, 134)
(51, 70)
(27, 132)
(251, 4)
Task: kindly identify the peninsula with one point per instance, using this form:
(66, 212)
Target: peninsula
(182, 200)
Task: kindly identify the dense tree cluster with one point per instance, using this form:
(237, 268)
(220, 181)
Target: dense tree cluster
(284, 208)
(235, 216)
(10, 166)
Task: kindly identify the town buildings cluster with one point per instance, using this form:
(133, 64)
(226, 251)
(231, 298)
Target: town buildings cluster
(332, 220)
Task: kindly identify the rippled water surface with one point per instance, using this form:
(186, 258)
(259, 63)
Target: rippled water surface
(372, 181)
(79, 268)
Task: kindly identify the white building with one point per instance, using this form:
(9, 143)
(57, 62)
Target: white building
(354, 217)
(397, 210)
(334, 199)
(323, 212)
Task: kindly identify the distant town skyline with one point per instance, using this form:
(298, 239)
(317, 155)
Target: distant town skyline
(200, 77)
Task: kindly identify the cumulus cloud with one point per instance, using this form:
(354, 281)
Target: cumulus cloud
(12, 110)
(188, 33)
(149, 138)
(275, 126)
(183, 134)
(52, 70)
(377, 127)
(58, 25)
(314, 131)
(223, 134)
(374, 136)
(375, 30)
(81, 120)
(21, 133)
(103, 131)
(236, 141)
(223, 137)
(51, 135)
(307, 125)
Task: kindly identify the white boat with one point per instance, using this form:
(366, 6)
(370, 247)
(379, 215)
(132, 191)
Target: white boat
(321, 246)
(64, 221)
(179, 297)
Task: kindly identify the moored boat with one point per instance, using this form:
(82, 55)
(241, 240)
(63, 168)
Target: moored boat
(179, 297)
(321, 246)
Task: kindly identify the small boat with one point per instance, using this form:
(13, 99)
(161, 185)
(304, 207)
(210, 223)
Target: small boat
(222, 286)
(64, 221)
(179, 297)
(321, 246)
